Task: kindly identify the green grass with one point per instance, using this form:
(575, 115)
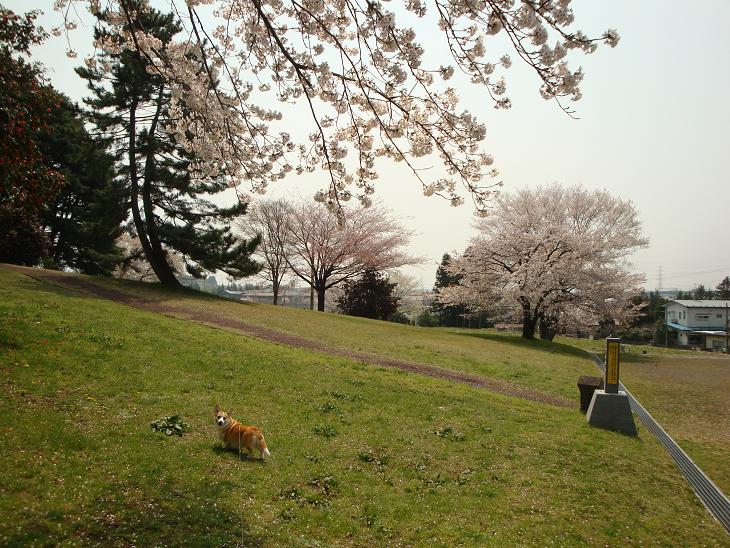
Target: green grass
(687, 392)
(550, 367)
(689, 395)
(361, 455)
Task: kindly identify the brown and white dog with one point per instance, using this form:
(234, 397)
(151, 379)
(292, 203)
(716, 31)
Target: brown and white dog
(235, 435)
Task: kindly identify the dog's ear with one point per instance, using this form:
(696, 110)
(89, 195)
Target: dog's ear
(230, 411)
(217, 408)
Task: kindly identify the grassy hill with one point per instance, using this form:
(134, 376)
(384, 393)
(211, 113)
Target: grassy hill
(361, 454)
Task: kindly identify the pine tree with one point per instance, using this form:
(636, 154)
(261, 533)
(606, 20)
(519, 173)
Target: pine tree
(722, 290)
(370, 296)
(449, 315)
(85, 219)
(700, 293)
(170, 210)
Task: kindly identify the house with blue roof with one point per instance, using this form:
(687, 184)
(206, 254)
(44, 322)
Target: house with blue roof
(702, 324)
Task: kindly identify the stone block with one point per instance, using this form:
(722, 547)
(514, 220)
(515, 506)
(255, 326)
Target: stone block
(588, 385)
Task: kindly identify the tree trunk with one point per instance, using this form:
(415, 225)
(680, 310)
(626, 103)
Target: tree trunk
(528, 323)
(156, 257)
(157, 261)
(320, 299)
(547, 333)
(275, 288)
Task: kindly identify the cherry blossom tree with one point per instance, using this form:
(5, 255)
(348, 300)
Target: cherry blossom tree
(356, 68)
(269, 219)
(555, 254)
(324, 249)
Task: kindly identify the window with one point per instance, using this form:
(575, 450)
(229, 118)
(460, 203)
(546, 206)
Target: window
(702, 316)
(718, 315)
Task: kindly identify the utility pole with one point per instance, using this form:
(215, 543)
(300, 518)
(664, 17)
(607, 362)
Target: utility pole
(727, 335)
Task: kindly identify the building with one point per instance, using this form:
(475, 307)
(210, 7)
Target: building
(700, 324)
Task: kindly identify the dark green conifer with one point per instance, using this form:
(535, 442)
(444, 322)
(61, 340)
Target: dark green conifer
(171, 211)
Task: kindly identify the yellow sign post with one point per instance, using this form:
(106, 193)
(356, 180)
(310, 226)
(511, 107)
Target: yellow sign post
(613, 351)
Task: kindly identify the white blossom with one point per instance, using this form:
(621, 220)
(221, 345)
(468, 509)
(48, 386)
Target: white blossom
(369, 80)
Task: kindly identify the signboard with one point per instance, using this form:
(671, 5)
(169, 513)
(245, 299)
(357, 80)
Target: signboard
(613, 350)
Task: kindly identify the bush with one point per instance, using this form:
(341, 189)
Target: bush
(399, 317)
(426, 319)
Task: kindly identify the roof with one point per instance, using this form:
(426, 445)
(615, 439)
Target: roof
(701, 304)
(697, 331)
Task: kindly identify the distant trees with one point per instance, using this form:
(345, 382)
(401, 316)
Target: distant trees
(269, 220)
(554, 253)
(701, 293)
(369, 296)
(324, 248)
(722, 290)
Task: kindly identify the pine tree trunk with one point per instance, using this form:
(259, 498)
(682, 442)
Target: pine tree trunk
(139, 223)
(157, 258)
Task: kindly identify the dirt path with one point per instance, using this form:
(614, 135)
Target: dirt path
(86, 285)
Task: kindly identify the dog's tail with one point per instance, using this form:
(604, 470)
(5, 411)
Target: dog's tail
(261, 445)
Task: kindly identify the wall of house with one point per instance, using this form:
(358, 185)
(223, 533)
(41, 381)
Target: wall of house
(696, 318)
(706, 318)
(714, 341)
(676, 314)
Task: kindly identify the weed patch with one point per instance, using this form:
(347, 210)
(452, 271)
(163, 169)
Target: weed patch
(326, 431)
(377, 457)
(447, 432)
(171, 426)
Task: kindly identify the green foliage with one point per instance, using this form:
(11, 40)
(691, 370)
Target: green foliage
(449, 433)
(84, 220)
(370, 296)
(174, 425)
(399, 317)
(325, 430)
(453, 315)
(427, 319)
(170, 209)
(722, 290)
(27, 179)
(701, 293)
(652, 308)
(447, 315)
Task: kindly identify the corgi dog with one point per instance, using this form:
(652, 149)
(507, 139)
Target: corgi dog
(235, 435)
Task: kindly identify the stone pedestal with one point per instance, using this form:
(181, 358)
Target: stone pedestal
(612, 412)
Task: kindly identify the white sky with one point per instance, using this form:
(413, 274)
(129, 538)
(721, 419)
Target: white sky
(653, 129)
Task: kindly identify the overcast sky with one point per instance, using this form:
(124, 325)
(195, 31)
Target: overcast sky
(653, 129)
